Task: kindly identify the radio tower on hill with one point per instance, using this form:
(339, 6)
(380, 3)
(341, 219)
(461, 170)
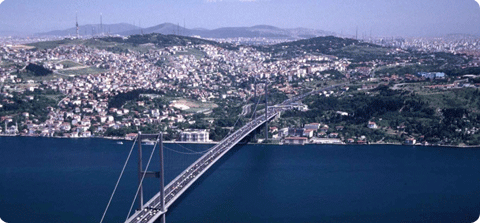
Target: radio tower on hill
(76, 23)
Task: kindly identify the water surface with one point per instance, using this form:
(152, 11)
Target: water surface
(68, 180)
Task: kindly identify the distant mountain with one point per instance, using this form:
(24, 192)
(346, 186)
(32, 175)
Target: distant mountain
(95, 29)
(235, 32)
(169, 29)
(164, 28)
(251, 32)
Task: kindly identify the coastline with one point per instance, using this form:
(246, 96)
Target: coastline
(113, 138)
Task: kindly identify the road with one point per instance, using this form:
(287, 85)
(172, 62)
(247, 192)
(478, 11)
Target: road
(152, 209)
(246, 109)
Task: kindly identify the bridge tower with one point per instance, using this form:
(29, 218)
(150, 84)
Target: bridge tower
(255, 96)
(266, 111)
(255, 111)
(159, 174)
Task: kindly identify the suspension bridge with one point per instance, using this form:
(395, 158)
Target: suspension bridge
(154, 210)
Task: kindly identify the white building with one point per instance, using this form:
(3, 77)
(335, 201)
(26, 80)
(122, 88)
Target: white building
(197, 135)
(372, 125)
(296, 140)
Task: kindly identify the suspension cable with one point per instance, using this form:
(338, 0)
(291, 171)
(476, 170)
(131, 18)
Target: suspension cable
(143, 177)
(184, 153)
(256, 104)
(238, 119)
(193, 151)
(118, 181)
(229, 131)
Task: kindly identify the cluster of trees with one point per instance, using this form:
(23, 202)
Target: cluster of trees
(38, 70)
(36, 108)
(398, 108)
(120, 99)
(330, 45)
(164, 40)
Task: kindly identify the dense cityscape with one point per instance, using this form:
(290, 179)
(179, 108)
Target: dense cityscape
(102, 87)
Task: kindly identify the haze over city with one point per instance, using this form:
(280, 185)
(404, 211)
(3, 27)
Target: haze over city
(376, 17)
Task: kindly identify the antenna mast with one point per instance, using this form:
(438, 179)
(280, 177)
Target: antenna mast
(76, 23)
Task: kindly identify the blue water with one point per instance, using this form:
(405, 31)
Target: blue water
(66, 180)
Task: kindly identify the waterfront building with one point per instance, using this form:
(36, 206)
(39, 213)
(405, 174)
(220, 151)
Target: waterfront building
(296, 140)
(308, 133)
(295, 131)
(410, 141)
(131, 136)
(197, 135)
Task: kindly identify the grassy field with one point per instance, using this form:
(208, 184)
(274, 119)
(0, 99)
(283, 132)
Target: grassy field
(363, 50)
(70, 64)
(362, 53)
(53, 44)
(83, 71)
(197, 53)
(195, 106)
(56, 97)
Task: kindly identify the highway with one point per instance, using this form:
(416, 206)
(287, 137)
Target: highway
(246, 109)
(152, 209)
(183, 181)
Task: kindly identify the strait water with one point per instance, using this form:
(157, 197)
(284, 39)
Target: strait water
(68, 180)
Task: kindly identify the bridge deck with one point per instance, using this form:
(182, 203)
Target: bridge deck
(183, 181)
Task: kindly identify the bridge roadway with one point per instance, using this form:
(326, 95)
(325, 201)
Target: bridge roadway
(152, 209)
(182, 182)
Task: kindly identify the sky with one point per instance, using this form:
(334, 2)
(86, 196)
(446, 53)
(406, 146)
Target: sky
(376, 17)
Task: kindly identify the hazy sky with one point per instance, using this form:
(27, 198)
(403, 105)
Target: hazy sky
(381, 17)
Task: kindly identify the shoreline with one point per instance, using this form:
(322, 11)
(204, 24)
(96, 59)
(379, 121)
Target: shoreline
(250, 143)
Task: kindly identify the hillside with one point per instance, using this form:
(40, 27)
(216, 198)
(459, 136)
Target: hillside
(134, 42)
(163, 40)
(329, 45)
